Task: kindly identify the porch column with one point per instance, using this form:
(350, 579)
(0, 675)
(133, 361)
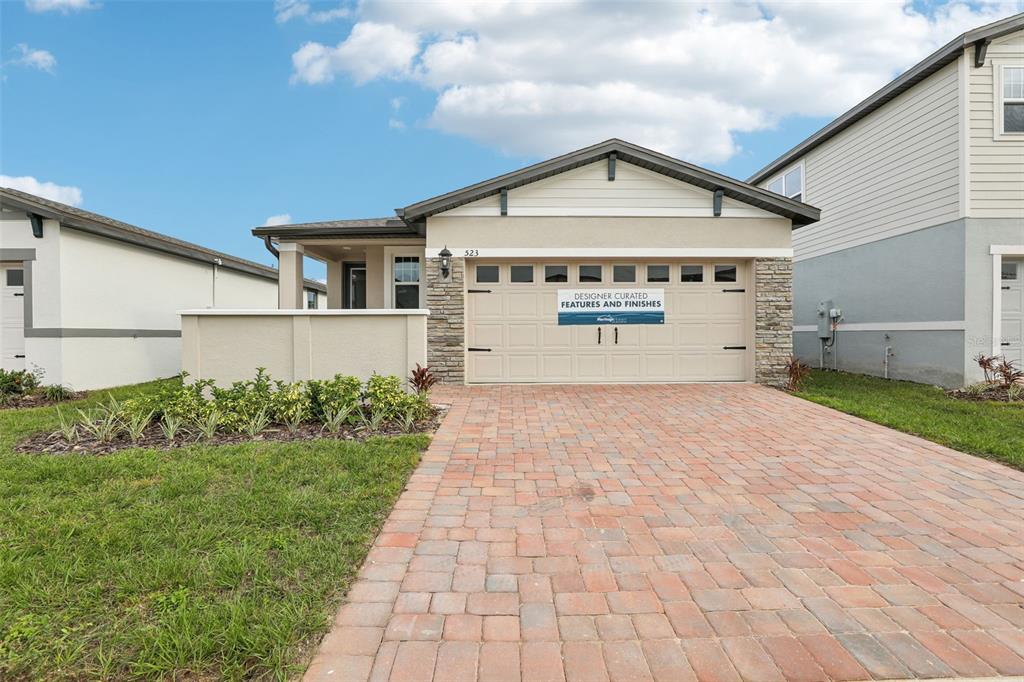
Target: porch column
(378, 275)
(335, 277)
(289, 276)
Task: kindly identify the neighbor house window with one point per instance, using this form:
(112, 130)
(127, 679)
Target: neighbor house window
(1013, 99)
(486, 274)
(657, 273)
(15, 278)
(407, 281)
(789, 184)
(590, 273)
(556, 273)
(311, 299)
(521, 274)
(725, 273)
(623, 273)
(692, 273)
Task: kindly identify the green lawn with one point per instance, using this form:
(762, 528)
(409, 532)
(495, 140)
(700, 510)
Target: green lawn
(990, 429)
(207, 562)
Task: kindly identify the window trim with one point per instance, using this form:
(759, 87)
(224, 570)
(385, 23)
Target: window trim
(544, 273)
(476, 272)
(533, 276)
(714, 273)
(703, 273)
(579, 273)
(999, 67)
(635, 267)
(389, 273)
(647, 273)
(316, 299)
(782, 176)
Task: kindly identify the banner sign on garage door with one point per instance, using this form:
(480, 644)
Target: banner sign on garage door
(611, 306)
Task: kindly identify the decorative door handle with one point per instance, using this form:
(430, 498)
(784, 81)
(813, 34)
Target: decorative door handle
(599, 336)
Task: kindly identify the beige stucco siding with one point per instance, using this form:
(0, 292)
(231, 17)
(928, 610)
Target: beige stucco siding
(893, 172)
(996, 180)
(605, 232)
(586, 191)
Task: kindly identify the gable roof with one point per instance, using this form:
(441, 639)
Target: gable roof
(94, 223)
(945, 55)
(799, 213)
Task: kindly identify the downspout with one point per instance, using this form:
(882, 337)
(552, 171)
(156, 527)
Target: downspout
(277, 254)
(213, 284)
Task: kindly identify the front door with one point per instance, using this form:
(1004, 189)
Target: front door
(1012, 282)
(355, 286)
(12, 317)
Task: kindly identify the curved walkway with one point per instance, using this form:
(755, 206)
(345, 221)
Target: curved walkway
(710, 532)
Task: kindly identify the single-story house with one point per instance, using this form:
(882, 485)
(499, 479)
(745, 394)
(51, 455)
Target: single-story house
(613, 263)
(920, 247)
(93, 302)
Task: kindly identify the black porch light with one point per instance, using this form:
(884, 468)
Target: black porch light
(446, 261)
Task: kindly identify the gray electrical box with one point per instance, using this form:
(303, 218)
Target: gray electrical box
(825, 319)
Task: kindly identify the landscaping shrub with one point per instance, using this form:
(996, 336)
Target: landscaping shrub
(16, 383)
(329, 398)
(422, 379)
(797, 372)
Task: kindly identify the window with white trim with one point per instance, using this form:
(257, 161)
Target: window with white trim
(789, 184)
(406, 281)
(1013, 99)
(311, 303)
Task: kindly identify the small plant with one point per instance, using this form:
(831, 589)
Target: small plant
(408, 421)
(371, 421)
(208, 424)
(977, 389)
(136, 424)
(256, 423)
(68, 428)
(57, 393)
(987, 363)
(797, 372)
(102, 424)
(422, 379)
(16, 383)
(334, 418)
(1007, 373)
(1015, 392)
(170, 424)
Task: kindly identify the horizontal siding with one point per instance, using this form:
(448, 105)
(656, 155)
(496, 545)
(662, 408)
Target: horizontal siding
(891, 173)
(586, 191)
(996, 183)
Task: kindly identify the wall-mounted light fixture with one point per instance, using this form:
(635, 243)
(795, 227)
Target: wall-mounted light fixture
(446, 262)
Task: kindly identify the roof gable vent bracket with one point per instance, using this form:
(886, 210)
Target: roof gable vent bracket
(611, 166)
(719, 193)
(504, 201)
(37, 225)
(980, 52)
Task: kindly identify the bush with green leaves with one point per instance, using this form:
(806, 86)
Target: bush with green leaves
(289, 404)
(246, 403)
(19, 382)
(331, 397)
(386, 397)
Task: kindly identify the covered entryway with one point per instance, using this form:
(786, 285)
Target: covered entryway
(513, 332)
(12, 317)
(1012, 294)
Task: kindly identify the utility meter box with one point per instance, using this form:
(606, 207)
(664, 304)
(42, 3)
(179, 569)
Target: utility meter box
(825, 309)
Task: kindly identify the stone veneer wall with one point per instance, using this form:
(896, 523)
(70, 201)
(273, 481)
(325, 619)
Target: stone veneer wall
(773, 319)
(446, 325)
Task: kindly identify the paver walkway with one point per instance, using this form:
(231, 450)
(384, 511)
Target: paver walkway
(711, 532)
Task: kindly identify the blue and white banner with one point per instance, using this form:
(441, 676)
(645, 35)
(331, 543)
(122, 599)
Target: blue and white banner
(611, 306)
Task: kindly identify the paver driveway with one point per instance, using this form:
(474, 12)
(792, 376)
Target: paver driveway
(716, 532)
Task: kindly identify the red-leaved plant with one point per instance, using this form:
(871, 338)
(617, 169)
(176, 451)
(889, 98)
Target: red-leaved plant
(797, 372)
(422, 379)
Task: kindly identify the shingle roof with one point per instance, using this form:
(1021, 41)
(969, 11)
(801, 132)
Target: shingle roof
(945, 55)
(358, 227)
(95, 223)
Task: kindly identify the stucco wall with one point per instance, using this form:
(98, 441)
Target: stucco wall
(298, 345)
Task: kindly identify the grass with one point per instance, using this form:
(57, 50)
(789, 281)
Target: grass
(208, 562)
(990, 429)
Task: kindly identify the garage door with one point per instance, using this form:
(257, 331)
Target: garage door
(1012, 343)
(12, 317)
(514, 333)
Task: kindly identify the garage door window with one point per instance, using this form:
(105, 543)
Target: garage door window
(692, 273)
(590, 273)
(556, 273)
(657, 273)
(15, 278)
(407, 282)
(1009, 270)
(521, 274)
(725, 273)
(486, 274)
(624, 273)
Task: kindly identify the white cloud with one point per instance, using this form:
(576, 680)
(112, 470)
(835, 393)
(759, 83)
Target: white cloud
(62, 6)
(65, 194)
(684, 78)
(286, 10)
(34, 58)
(280, 219)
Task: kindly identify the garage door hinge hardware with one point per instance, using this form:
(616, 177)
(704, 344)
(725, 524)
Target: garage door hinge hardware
(734, 291)
(1005, 343)
(734, 347)
(19, 294)
(1006, 288)
(19, 356)
(479, 291)
(479, 350)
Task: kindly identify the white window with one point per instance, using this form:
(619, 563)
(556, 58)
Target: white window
(407, 275)
(1012, 107)
(311, 299)
(789, 184)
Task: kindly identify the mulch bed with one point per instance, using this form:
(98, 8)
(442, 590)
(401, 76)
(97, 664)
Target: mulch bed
(993, 393)
(153, 438)
(38, 400)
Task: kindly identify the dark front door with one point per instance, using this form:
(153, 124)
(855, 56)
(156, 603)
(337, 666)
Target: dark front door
(355, 285)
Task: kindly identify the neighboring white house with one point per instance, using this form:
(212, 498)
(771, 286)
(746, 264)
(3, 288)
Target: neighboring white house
(93, 302)
(921, 239)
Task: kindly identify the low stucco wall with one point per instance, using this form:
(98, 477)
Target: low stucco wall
(295, 345)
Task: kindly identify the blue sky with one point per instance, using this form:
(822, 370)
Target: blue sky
(203, 119)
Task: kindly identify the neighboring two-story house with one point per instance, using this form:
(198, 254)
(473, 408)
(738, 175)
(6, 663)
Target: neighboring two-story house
(921, 239)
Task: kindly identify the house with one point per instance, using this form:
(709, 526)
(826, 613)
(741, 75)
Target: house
(920, 246)
(613, 263)
(93, 302)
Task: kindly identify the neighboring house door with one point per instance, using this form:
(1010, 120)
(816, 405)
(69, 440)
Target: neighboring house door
(1013, 311)
(513, 331)
(12, 317)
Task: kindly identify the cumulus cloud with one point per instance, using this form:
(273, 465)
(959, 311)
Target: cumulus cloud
(279, 219)
(34, 58)
(286, 10)
(65, 194)
(685, 78)
(62, 6)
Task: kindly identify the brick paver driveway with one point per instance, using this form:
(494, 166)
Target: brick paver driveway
(716, 532)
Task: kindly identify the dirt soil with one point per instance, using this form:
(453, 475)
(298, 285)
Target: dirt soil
(38, 400)
(994, 392)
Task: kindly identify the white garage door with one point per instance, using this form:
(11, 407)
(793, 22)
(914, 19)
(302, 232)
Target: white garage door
(1013, 311)
(12, 317)
(513, 331)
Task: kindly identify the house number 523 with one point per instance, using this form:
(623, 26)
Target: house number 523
(471, 252)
